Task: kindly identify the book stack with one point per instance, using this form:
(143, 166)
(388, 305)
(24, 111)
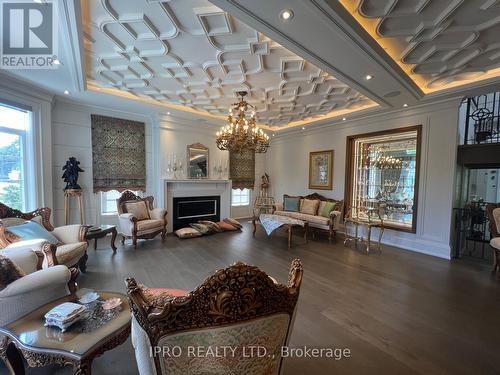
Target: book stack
(65, 314)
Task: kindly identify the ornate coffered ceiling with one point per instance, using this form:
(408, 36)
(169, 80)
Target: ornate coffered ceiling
(191, 53)
(439, 43)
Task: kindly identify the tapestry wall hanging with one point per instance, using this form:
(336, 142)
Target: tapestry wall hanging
(242, 169)
(321, 170)
(118, 154)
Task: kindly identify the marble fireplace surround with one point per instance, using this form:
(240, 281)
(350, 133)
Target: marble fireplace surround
(197, 188)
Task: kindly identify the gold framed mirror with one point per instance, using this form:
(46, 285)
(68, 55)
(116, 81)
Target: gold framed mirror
(197, 161)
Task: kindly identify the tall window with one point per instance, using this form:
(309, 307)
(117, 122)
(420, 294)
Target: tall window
(240, 197)
(108, 201)
(14, 127)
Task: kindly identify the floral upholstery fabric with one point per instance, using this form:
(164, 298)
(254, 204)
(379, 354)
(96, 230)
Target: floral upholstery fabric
(315, 219)
(144, 225)
(267, 332)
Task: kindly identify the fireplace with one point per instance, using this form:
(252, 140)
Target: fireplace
(187, 210)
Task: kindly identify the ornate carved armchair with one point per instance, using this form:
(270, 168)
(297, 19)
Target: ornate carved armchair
(138, 218)
(493, 211)
(71, 250)
(239, 307)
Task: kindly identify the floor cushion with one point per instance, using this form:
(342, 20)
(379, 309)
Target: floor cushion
(187, 233)
(226, 226)
(233, 222)
(211, 224)
(202, 228)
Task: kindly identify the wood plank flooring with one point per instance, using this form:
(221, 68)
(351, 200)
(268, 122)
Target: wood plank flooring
(398, 312)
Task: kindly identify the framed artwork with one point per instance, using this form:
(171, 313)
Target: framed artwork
(321, 170)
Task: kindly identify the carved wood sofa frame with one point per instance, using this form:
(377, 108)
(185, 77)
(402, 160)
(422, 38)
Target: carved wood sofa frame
(48, 249)
(128, 196)
(494, 234)
(235, 294)
(332, 233)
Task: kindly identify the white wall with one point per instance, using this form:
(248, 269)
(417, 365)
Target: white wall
(176, 133)
(287, 163)
(72, 136)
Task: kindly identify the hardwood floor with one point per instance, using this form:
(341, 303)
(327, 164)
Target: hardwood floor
(398, 312)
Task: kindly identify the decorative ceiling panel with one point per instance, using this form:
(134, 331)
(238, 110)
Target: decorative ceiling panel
(439, 43)
(191, 53)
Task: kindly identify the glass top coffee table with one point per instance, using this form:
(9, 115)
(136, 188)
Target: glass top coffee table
(101, 331)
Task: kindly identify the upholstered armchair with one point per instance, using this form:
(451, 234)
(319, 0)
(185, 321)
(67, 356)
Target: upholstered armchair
(237, 307)
(38, 287)
(493, 211)
(70, 247)
(138, 219)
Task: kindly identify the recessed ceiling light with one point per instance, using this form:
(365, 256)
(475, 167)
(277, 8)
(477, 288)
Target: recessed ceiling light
(303, 128)
(168, 113)
(405, 105)
(66, 92)
(368, 77)
(343, 119)
(273, 134)
(56, 61)
(286, 14)
(37, 1)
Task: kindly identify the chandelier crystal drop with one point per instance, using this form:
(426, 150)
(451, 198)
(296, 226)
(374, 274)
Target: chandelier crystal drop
(242, 133)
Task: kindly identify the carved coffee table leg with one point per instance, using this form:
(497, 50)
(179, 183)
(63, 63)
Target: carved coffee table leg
(82, 368)
(11, 357)
(306, 232)
(290, 236)
(113, 238)
(254, 226)
(95, 244)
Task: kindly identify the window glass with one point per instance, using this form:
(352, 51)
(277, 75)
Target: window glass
(240, 197)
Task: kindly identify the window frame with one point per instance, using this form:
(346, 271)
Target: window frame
(27, 172)
(239, 193)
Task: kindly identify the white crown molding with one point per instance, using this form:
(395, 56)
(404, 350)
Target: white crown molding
(379, 116)
(19, 86)
(71, 26)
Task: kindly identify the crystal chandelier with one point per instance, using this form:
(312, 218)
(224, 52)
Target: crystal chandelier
(241, 133)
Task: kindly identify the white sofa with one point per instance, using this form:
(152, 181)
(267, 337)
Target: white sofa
(316, 222)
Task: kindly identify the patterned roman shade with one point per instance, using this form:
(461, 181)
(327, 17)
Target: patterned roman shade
(118, 154)
(242, 169)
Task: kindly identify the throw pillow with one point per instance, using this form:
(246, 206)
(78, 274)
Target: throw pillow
(226, 226)
(214, 226)
(309, 206)
(291, 204)
(235, 223)
(202, 228)
(326, 207)
(29, 230)
(9, 272)
(138, 209)
(187, 233)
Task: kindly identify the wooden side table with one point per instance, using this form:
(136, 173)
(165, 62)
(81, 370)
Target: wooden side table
(42, 346)
(103, 232)
(369, 225)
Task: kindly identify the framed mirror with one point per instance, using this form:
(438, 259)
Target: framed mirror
(382, 175)
(197, 161)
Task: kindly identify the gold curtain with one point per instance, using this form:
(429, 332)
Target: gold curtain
(242, 169)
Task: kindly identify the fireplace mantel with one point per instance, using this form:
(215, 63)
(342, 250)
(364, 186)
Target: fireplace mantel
(197, 188)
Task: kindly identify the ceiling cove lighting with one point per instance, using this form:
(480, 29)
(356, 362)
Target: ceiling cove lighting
(242, 133)
(405, 105)
(286, 14)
